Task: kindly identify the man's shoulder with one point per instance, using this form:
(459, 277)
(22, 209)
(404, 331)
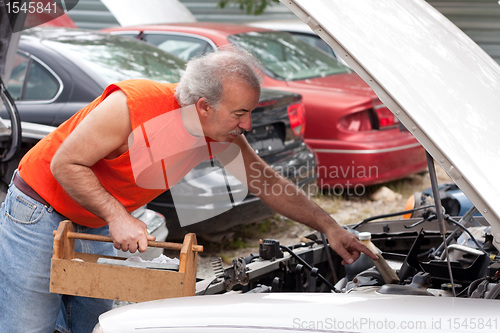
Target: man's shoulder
(140, 84)
(144, 91)
(147, 99)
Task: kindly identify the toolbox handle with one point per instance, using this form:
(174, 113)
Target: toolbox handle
(101, 238)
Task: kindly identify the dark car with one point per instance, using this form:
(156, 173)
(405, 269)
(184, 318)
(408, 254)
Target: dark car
(58, 71)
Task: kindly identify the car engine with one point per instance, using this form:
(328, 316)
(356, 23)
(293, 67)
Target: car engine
(468, 266)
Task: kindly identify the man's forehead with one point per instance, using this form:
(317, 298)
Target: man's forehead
(237, 88)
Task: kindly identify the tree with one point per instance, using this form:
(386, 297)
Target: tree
(251, 7)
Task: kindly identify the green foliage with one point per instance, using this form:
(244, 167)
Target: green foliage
(251, 7)
(245, 236)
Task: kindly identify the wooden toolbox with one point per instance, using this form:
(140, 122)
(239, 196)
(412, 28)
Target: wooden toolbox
(74, 273)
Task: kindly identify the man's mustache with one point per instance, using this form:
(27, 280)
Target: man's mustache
(237, 131)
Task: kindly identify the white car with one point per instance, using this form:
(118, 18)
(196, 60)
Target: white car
(444, 89)
(297, 28)
(300, 30)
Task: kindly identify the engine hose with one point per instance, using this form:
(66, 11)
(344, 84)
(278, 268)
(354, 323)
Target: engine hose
(449, 219)
(303, 262)
(208, 286)
(372, 218)
(473, 285)
(494, 293)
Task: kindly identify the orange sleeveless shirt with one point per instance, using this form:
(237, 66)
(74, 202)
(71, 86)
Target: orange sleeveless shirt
(146, 100)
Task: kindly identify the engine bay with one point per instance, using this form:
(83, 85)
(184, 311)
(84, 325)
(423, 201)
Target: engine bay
(467, 267)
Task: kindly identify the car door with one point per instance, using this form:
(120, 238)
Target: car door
(35, 88)
(10, 132)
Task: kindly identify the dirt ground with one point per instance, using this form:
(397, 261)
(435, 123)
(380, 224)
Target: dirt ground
(345, 209)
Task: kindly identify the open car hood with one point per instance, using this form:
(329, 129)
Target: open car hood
(128, 13)
(442, 86)
(8, 39)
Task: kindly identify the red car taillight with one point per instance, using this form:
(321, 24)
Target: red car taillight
(297, 116)
(385, 117)
(356, 122)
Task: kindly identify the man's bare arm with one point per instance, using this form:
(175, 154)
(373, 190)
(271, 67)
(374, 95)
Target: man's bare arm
(291, 202)
(102, 134)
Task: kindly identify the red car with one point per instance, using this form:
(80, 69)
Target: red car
(357, 140)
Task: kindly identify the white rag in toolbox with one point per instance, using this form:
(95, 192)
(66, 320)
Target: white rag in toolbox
(161, 262)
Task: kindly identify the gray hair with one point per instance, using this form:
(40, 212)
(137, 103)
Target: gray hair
(204, 75)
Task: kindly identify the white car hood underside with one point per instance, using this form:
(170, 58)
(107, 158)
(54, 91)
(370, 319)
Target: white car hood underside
(442, 86)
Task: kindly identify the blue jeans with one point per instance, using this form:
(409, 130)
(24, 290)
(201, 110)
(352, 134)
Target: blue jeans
(26, 242)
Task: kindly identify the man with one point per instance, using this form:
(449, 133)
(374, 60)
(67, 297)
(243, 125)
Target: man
(84, 172)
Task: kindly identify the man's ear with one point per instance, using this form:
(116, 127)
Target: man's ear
(203, 107)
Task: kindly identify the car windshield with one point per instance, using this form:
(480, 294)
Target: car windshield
(288, 58)
(115, 58)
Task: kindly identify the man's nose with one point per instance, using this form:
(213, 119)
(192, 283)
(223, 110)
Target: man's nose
(246, 122)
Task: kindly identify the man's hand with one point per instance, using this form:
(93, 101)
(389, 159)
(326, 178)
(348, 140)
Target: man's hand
(347, 245)
(130, 235)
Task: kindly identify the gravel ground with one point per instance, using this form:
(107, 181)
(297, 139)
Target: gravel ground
(346, 209)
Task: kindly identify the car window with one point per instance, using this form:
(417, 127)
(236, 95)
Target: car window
(41, 84)
(288, 58)
(16, 82)
(116, 58)
(30, 80)
(314, 40)
(183, 47)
